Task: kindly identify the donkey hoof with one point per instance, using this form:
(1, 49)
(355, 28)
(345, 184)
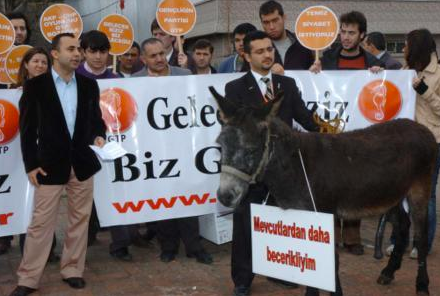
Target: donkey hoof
(422, 293)
(384, 280)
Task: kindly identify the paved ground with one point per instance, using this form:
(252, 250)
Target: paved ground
(148, 276)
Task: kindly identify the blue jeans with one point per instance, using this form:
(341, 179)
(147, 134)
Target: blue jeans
(432, 219)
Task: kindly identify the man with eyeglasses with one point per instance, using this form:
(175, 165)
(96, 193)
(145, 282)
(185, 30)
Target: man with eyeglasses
(257, 87)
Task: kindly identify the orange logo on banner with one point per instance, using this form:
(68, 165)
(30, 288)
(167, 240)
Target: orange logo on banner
(13, 61)
(7, 34)
(317, 27)
(176, 17)
(8, 122)
(379, 101)
(119, 32)
(4, 78)
(119, 110)
(60, 18)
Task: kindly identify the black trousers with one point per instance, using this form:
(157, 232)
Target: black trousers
(241, 255)
(169, 233)
(9, 238)
(122, 235)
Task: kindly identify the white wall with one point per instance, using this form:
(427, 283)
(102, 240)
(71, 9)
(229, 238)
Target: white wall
(139, 12)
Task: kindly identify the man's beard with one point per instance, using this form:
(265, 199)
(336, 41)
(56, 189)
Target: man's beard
(353, 48)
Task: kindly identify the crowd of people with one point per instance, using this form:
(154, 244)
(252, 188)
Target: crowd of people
(68, 74)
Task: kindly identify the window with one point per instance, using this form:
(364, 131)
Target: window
(395, 46)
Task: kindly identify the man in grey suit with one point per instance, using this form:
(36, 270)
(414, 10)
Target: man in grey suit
(169, 232)
(156, 64)
(374, 43)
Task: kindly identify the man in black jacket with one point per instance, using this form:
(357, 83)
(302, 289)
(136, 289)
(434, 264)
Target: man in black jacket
(349, 56)
(59, 118)
(256, 87)
(375, 44)
(289, 54)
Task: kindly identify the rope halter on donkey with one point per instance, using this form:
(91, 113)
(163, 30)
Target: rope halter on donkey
(252, 179)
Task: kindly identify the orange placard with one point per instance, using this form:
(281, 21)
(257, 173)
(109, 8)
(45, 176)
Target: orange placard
(4, 78)
(380, 101)
(317, 27)
(119, 32)
(176, 17)
(13, 61)
(119, 109)
(7, 34)
(60, 18)
(8, 122)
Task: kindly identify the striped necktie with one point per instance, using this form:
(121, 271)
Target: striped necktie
(269, 92)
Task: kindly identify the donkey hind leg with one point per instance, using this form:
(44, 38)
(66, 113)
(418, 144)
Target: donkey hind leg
(378, 254)
(401, 222)
(420, 222)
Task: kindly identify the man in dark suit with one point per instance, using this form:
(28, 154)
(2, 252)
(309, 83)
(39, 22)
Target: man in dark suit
(374, 43)
(256, 87)
(59, 118)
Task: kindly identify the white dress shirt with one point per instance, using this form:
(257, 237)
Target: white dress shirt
(68, 94)
(261, 84)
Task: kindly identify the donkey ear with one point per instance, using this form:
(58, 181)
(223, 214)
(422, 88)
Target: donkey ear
(226, 107)
(276, 103)
(271, 109)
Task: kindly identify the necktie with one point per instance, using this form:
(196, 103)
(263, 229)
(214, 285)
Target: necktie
(269, 92)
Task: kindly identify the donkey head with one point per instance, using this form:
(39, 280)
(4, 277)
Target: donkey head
(244, 140)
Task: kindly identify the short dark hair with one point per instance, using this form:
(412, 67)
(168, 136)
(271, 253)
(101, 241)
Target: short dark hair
(243, 29)
(377, 39)
(95, 40)
(13, 15)
(154, 26)
(202, 44)
(271, 6)
(255, 35)
(149, 41)
(57, 39)
(355, 17)
(420, 46)
(136, 45)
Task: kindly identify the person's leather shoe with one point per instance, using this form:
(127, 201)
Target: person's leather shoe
(122, 255)
(75, 282)
(22, 291)
(241, 291)
(167, 256)
(201, 257)
(283, 283)
(355, 249)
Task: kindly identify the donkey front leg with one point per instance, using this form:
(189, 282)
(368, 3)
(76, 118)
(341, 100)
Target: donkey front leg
(315, 292)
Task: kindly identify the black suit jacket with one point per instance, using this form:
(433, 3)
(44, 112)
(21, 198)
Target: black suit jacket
(45, 138)
(245, 90)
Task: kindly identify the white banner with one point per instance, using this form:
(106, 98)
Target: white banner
(169, 125)
(15, 191)
(295, 246)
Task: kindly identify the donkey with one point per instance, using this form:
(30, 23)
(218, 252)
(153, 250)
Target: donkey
(352, 175)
